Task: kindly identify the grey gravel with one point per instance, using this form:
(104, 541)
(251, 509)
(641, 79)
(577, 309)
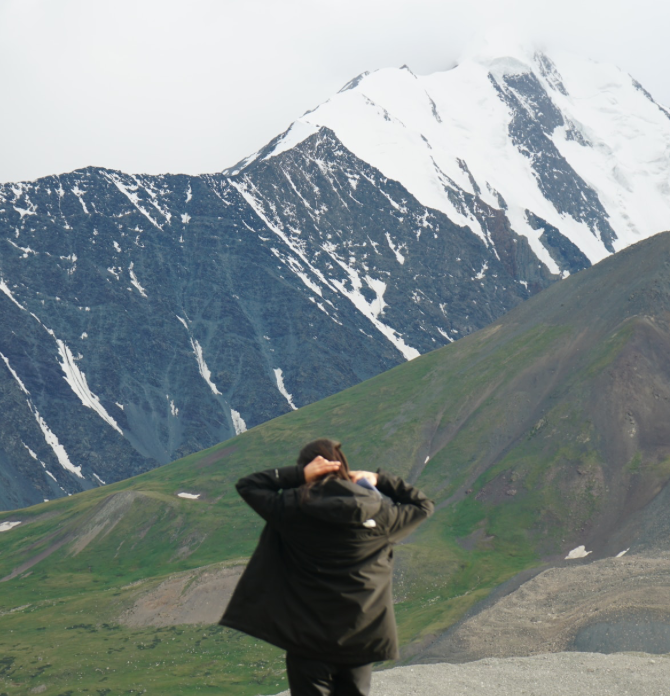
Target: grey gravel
(557, 674)
(611, 605)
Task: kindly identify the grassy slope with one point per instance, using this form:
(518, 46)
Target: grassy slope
(519, 465)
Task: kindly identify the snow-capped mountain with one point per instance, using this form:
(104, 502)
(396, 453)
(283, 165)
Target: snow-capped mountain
(146, 317)
(559, 144)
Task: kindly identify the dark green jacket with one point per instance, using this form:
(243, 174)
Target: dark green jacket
(319, 583)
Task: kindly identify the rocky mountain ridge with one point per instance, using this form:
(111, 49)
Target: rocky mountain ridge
(147, 317)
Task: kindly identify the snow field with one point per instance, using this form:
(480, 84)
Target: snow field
(418, 129)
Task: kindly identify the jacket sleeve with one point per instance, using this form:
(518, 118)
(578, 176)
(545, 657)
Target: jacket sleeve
(412, 506)
(261, 490)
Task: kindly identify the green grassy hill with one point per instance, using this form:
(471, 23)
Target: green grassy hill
(542, 432)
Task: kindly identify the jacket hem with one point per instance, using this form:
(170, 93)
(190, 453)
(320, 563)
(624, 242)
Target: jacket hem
(359, 658)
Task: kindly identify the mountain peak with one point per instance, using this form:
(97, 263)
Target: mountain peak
(502, 43)
(553, 140)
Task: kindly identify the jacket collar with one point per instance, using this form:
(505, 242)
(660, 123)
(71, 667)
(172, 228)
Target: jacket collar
(341, 502)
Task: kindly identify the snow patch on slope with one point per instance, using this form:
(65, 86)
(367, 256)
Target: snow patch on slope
(246, 191)
(80, 195)
(202, 366)
(279, 377)
(5, 288)
(399, 257)
(379, 288)
(77, 381)
(129, 192)
(6, 526)
(579, 552)
(204, 370)
(22, 386)
(238, 422)
(370, 310)
(49, 436)
(134, 281)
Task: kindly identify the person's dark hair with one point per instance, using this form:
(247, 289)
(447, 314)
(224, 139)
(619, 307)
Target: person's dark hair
(328, 449)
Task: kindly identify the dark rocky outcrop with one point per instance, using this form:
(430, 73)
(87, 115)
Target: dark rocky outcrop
(147, 317)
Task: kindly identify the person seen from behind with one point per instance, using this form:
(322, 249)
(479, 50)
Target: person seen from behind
(319, 582)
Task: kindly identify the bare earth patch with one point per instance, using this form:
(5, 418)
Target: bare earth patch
(191, 597)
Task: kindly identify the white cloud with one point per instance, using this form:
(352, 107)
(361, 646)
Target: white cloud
(193, 86)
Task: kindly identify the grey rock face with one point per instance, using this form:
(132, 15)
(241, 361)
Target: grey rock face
(534, 119)
(566, 254)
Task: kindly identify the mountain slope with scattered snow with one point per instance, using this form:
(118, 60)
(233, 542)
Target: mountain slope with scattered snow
(147, 317)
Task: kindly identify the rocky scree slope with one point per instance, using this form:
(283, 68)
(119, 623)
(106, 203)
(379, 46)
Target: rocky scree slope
(617, 604)
(146, 317)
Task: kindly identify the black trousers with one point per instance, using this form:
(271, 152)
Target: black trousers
(316, 678)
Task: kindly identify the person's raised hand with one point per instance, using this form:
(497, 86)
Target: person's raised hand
(369, 475)
(318, 468)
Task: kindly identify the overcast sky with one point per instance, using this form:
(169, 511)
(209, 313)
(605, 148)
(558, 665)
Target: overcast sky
(196, 85)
